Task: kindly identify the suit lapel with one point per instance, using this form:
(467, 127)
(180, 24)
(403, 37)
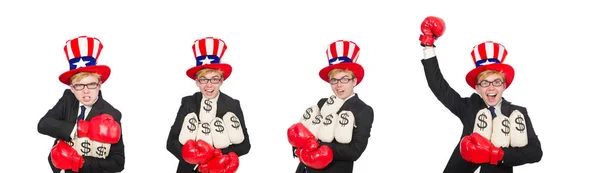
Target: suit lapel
(221, 105)
(349, 103)
(505, 108)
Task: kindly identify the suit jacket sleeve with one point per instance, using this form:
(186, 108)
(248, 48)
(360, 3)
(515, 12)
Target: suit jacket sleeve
(173, 144)
(244, 147)
(531, 153)
(360, 137)
(54, 123)
(441, 89)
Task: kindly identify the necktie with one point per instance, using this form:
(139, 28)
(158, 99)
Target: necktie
(82, 114)
(491, 108)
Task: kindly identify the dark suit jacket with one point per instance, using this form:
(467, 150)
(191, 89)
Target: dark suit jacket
(192, 104)
(466, 109)
(60, 121)
(344, 155)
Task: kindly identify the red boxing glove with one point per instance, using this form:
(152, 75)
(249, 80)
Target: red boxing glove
(204, 168)
(432, 28)
(233, 165)
(477, 149)
(300, 137)
(316, 159)
(218, 163)
(197, 152)
(83, 128)
(103, 128)
(64, 157)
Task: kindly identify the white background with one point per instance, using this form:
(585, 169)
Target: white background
(551, 45)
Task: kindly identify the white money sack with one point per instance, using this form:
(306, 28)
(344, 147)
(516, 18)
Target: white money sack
(189, 128)
(327, 130)
(501, 131)
(331, 105)
(312, 119)
(208, 110)
(100, 150)
(483, 123)
(518, 129)
(309, 117)
(204, 133)
(344, 127)
(220, 137)
(233, 126)
(84, 146)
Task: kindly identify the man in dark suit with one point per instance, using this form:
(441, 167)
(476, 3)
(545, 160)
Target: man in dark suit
(79, 116)
(497, 134)
(209, 132)
(333, 134)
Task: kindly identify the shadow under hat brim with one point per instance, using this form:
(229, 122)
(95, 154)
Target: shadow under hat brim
(225, 68)
(507, 70)
(357, 69)
(102, 70)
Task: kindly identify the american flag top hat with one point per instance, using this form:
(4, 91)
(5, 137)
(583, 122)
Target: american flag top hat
(82, 54)
(208, 53)
(489, 55)
(343, 54)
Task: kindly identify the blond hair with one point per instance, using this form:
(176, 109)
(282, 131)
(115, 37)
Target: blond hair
(79, 76)
(484, 74)
(205, 71)
(334, 72)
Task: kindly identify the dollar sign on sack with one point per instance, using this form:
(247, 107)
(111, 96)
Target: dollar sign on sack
(220, 127)
(86, 147)
(205, 128)
(207, 107)
(520, 125)
(306, 115)
(330, 100)
(506, 128)
(482, 124)
(344, 119)
(317, 119)
(101, 151)
(192, 125)
(328, 120)
(235, 121)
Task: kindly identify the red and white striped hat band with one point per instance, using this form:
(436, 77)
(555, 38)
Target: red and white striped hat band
(488, 52)
(342, 51)
(208, 50)
(82, 51)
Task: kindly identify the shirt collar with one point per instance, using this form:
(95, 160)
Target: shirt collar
(353, 94)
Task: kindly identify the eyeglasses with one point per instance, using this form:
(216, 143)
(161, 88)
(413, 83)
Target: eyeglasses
(342, 80)
(212, 80)
(79, 87)
(486, 83)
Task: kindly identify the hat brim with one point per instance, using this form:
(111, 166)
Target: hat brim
(225, 68)
(357, 69)
(509, 73)
(102, 70)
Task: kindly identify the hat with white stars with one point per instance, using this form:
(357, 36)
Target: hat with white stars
(82, 53)
(208, 53)
(489, 55)
(343, 54)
